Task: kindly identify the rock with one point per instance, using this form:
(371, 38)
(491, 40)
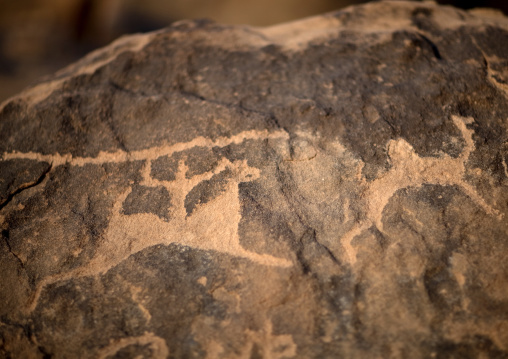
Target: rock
(332, 187)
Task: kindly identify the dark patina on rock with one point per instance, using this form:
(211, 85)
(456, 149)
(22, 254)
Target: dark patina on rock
(332, 187)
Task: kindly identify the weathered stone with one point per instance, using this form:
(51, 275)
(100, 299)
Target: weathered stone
(333, 187)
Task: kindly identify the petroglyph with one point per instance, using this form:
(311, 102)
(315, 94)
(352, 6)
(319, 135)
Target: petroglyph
(212, 226)
(255, 343)
(495, 77)
(148, 154)
(273, 346)
(410, 170)
(157, 345)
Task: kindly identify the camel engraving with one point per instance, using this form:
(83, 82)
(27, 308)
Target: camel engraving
(212, 226)
(408, 170)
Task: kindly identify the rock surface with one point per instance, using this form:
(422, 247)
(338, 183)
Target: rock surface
(333, 187)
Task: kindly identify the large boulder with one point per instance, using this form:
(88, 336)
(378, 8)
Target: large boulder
(332, 187)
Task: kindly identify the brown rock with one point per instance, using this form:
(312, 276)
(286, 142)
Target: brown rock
(333, 187)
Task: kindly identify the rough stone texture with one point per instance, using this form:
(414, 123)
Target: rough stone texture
(333, 187)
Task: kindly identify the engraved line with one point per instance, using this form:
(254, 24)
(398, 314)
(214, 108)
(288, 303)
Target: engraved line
(157, 345)
(146, 154)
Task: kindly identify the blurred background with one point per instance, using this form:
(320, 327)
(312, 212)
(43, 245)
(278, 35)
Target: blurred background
(38, 37)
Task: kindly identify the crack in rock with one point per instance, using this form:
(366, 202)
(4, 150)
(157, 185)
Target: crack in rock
(24, 187)
(5, 236)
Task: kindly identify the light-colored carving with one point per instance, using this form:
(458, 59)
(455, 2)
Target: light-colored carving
(136, 297)
(212, 226)
(263, 340)
(273, 346)
(151, 153)
(495, 77)
(157, 345)
(408, 170)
